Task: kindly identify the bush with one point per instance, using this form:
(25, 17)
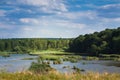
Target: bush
(40, 68)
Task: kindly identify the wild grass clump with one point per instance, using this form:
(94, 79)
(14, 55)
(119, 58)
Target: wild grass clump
(91, 58)
(66, 66)
(114, 57)
(46, 62)
(57, 61)
(110, 58)
(77, 70)
(49, 57)
(72, 58)
(40, 68)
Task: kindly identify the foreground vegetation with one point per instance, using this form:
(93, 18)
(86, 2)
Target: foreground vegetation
(58, 76)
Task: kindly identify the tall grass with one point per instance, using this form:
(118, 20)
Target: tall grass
(58, 76)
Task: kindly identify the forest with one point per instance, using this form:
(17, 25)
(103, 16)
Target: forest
(27, 45)
(105, 42)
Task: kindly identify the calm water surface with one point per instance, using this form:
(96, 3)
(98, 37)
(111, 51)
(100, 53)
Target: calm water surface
(96, 66)
(15, 63)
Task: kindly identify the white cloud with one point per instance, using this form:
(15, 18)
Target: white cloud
(110, 6)
(77, 15)
(29, 20)
(63, 23)
(46, 5)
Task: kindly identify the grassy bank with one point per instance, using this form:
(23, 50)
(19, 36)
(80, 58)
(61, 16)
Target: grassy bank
(66, 56)
(58, 76)
(60, 52)
(5, 54)
(115, 57)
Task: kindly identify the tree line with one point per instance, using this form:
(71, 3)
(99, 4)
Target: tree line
(32, 44)
(107, 41)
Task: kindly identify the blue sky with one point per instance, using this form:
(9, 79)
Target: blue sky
(56, 18)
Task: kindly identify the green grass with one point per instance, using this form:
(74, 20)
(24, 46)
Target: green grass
(72, 58)
(50, 57)
(114, 57)
(50, 52)
(91, 58)
(58, 58)
(5, 54)
(57, 54)
(58, 76)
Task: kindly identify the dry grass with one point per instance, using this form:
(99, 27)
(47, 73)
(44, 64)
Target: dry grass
(58, 76)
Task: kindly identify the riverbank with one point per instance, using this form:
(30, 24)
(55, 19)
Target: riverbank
(5, 54)
(58, 76)
(57, 54)
(50, 52)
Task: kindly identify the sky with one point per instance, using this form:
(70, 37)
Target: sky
(57, 18)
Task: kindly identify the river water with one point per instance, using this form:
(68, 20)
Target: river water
(16, 63)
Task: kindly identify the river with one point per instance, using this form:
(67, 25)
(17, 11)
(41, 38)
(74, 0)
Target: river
(16, 63)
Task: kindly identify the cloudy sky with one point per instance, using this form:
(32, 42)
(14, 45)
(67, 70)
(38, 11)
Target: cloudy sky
(56, 18)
